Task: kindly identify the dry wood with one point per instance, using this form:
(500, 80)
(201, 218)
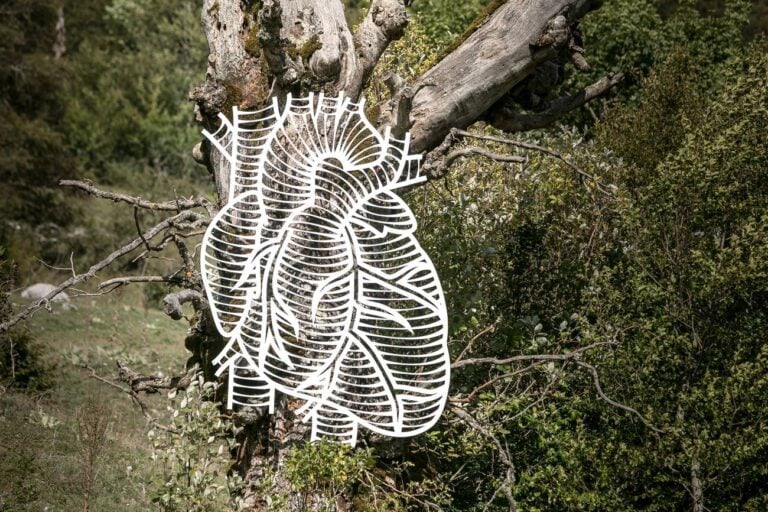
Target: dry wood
(91, 273)
(173, 206)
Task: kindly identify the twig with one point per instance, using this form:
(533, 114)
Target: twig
(137, 222)
(472, 151)
(599, 388)
(134, 395)
(498, 378)
(491, 328)
(506, 486)
(533, 147)
(574, 355)
(120, 281)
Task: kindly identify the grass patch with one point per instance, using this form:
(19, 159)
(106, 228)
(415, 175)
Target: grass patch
(41, 444)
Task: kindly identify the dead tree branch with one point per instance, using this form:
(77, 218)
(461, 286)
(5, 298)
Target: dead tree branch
(574, 355)
(504, 455)
(596, 379)
(172, 302)
(508, 120)
(111, 258)
(537, 359)
(172, 206)
(498, 55)
(533, 147)
(475, 151)
(133, 394)
(117, 282)
(152, 383)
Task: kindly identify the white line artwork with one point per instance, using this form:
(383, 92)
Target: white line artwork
(315, 278)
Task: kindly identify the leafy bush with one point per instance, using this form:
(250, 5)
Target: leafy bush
(671, 265)
(21, 363)
(193, 451)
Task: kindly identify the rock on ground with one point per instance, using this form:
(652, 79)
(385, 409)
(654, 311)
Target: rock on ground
(40, 290)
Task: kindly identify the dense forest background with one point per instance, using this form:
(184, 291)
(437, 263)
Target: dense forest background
(662, 264)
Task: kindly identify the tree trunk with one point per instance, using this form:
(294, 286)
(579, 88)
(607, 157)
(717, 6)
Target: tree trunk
(697, 491)
(272, 48)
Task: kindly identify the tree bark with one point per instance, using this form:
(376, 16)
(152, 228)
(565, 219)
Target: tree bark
(275, 47)
(490, 62)
(697, 490)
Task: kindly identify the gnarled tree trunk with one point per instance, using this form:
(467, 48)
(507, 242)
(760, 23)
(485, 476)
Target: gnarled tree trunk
(274, 47)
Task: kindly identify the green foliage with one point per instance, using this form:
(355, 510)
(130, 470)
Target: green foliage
(21, 362)
(632, 36)
(444, 20)
(192, 451)
(34, 152)
(671, 266)
(153, 50)
(327, 468)
(114, 108)
(693, 280)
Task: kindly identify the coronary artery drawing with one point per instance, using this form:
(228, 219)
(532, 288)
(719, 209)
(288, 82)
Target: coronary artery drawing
(315, 278)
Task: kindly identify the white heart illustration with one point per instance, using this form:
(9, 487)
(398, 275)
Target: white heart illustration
(315, 277)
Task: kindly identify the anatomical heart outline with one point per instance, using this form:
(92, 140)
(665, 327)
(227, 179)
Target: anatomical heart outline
(314, 275)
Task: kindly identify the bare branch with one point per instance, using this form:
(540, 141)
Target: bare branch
(441, 169)
(152, 383)
(137, 223)
(534, 147)
(506, 458)
(111, 258)
(186, 256)
(120, 281)
(574, 355)
(134, 396)
(599, 388)
(505, 376)
(173, 206)
(488, 329)
(508, 120)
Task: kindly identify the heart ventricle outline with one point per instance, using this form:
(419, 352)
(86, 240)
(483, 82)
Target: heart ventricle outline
(315, 277)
